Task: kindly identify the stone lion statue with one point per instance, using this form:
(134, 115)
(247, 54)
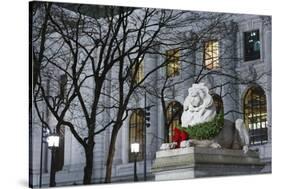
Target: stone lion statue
(232, 136)
(199, 108)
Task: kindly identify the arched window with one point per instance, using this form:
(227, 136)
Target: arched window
(136, 128)
(218, 103)
(255, 114)
(173, 113)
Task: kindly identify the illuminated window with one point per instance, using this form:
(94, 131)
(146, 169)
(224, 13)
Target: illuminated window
(138, 71)
(211, 54)
(255, 115)
(136, 128)
(173, 62)
(251, 45)
(174, 112)
(218, 103)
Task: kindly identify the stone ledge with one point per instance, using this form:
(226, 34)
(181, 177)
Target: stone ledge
(201, 150)
(201, 162)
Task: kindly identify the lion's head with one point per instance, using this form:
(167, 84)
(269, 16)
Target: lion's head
(198, 98)
(198, 106)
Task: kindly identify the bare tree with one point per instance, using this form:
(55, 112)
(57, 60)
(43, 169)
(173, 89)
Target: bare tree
(218, 72)
(170, 29)
(86, 51)
(94, 53)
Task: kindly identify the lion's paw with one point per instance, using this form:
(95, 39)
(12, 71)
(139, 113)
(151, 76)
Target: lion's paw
(215, 145)
(185, 144)
(165, 146)
(245, 149)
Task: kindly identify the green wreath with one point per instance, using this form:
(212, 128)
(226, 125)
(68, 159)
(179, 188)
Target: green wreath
(207, 130)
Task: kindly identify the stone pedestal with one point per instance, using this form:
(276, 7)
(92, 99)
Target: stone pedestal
(195, 162)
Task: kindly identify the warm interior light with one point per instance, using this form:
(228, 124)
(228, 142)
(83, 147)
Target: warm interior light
(173, 65)
(212, 54)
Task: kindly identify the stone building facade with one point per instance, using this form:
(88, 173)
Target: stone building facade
(244, 52)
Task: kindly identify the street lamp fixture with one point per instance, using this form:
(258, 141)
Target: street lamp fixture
(53, 140)
(135, 148)
(53, 143)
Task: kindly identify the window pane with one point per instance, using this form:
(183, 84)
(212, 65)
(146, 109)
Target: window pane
(211, 54)
(173, 62)
(251, 45)
(138, 70)
(255, 115)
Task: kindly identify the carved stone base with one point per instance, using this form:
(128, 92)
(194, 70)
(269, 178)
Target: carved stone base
(194, 162)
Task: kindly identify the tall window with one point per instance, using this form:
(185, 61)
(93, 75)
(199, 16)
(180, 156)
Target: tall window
(173, 62)
(218, 103)
(136, 129)
(255, 114)
(211, 54)
(138, 70)
(174, 112)
(251, 45)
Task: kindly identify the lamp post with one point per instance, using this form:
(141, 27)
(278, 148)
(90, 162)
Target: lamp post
(135, 147)
(147, 124)
(53, 143)
(41, 152)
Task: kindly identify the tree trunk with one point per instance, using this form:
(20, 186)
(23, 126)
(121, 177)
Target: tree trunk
(166, 125)
(89, 166)
(110, 156)
(37, 61)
